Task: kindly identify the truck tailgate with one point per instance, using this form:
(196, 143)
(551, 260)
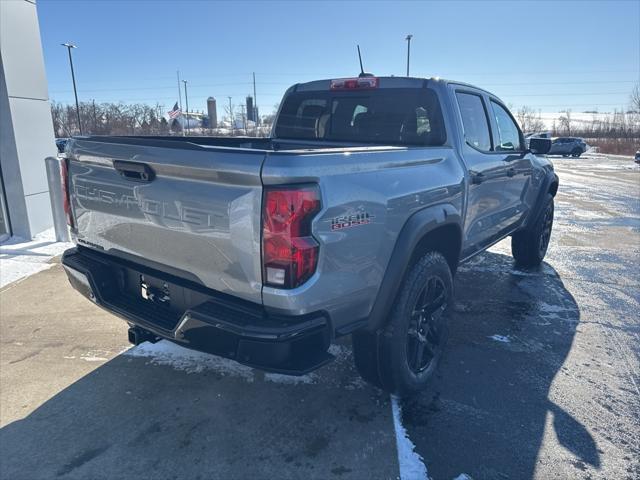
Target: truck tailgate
(193, 209)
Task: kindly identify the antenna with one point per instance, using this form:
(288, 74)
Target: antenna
(362, 74)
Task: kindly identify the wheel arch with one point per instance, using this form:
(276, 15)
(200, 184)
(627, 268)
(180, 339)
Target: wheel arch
(549, 186)
(438, 228)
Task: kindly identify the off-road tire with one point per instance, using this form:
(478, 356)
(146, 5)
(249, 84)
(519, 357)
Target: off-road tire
(382, 358)
(529, 246)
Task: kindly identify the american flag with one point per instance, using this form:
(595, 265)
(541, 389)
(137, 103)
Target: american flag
(175, 111)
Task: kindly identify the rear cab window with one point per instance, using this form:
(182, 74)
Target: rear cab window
(389, 116)
(474, 120)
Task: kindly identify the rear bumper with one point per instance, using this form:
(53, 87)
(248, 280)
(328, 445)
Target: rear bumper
(202, 319)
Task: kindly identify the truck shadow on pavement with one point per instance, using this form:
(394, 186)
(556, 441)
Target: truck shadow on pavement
(175, 415)
(490, 409)
(163, 412)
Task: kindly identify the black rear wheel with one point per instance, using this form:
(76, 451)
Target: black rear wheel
(529, 246)
(424, 337)
(403, 356)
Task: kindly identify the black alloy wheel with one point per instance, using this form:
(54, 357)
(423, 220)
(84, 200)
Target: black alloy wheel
(424, 336)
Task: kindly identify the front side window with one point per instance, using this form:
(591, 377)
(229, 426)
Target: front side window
(396, 116)
(508, 136)
(474, 120)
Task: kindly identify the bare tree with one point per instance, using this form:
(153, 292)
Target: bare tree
(530, 122)
(565, 121)
(60, 120)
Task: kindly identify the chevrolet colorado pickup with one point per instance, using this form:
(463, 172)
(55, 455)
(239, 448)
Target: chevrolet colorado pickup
(350, 219)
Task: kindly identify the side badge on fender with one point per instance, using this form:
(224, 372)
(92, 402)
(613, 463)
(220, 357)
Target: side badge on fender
(345, 221)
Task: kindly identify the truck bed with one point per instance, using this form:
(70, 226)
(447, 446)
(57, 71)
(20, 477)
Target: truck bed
(191, 204)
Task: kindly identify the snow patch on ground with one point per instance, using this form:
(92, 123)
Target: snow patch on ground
(94, 359)
(341, 352)
(463, 476)
(356, 384)
(289, 379)
(190, 361)
(20, 258)
(548, 308)
(500, 338)
(411, 463)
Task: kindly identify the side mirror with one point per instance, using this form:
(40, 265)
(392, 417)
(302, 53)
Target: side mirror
(539, 146)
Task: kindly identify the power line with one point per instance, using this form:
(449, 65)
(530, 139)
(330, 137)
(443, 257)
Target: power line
(286, 84)
(202, 85)
(563, 94)
(561, 83)
(325, 74)
(164, 87)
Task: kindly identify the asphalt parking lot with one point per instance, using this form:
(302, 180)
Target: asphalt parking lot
(540, 379)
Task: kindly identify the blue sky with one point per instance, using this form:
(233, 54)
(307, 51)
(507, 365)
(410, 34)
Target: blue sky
(548, 55)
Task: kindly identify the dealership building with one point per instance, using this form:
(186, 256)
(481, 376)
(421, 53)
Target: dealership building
(26, 128)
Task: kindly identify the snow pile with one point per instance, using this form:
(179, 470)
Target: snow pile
(411, 464)
(290, 379)
(21, 258)
(500, 338)
(190, 361)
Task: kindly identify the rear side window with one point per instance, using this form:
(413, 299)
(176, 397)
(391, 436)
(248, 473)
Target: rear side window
(474, 120)
(508, 135)
(393, 116)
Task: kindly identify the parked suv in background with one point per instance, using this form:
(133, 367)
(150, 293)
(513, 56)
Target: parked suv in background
(61, 143)
(351, 219)
(566, 146)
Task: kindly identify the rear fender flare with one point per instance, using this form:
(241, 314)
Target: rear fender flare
(550, 179)
(413, 231)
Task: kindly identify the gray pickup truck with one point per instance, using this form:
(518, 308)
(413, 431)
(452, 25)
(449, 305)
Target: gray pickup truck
(350, 219)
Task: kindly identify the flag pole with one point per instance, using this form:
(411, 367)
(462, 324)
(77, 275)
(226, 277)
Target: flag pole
(179, 92)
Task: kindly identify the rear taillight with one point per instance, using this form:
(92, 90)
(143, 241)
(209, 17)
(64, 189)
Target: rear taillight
(360, 83)
(64, 178)
(289, 252)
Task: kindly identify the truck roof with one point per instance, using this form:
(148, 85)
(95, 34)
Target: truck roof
(384, 82)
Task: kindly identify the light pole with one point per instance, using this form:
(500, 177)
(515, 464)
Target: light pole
(73, 78)
(186, 101)
(408, 39)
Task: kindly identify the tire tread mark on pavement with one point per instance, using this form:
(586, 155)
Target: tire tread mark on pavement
(24, 357)
(623, 356)
(81, 459)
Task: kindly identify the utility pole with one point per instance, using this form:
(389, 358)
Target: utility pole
(255, 102)
(408, 39)
(186, 101)
(231, 115)
(73, 78)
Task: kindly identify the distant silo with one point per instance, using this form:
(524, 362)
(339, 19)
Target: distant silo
(213, 114)
(250, 111)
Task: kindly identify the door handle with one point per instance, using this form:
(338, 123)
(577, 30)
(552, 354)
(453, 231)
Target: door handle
(511, 172)
(138, 172)
(476, 177)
